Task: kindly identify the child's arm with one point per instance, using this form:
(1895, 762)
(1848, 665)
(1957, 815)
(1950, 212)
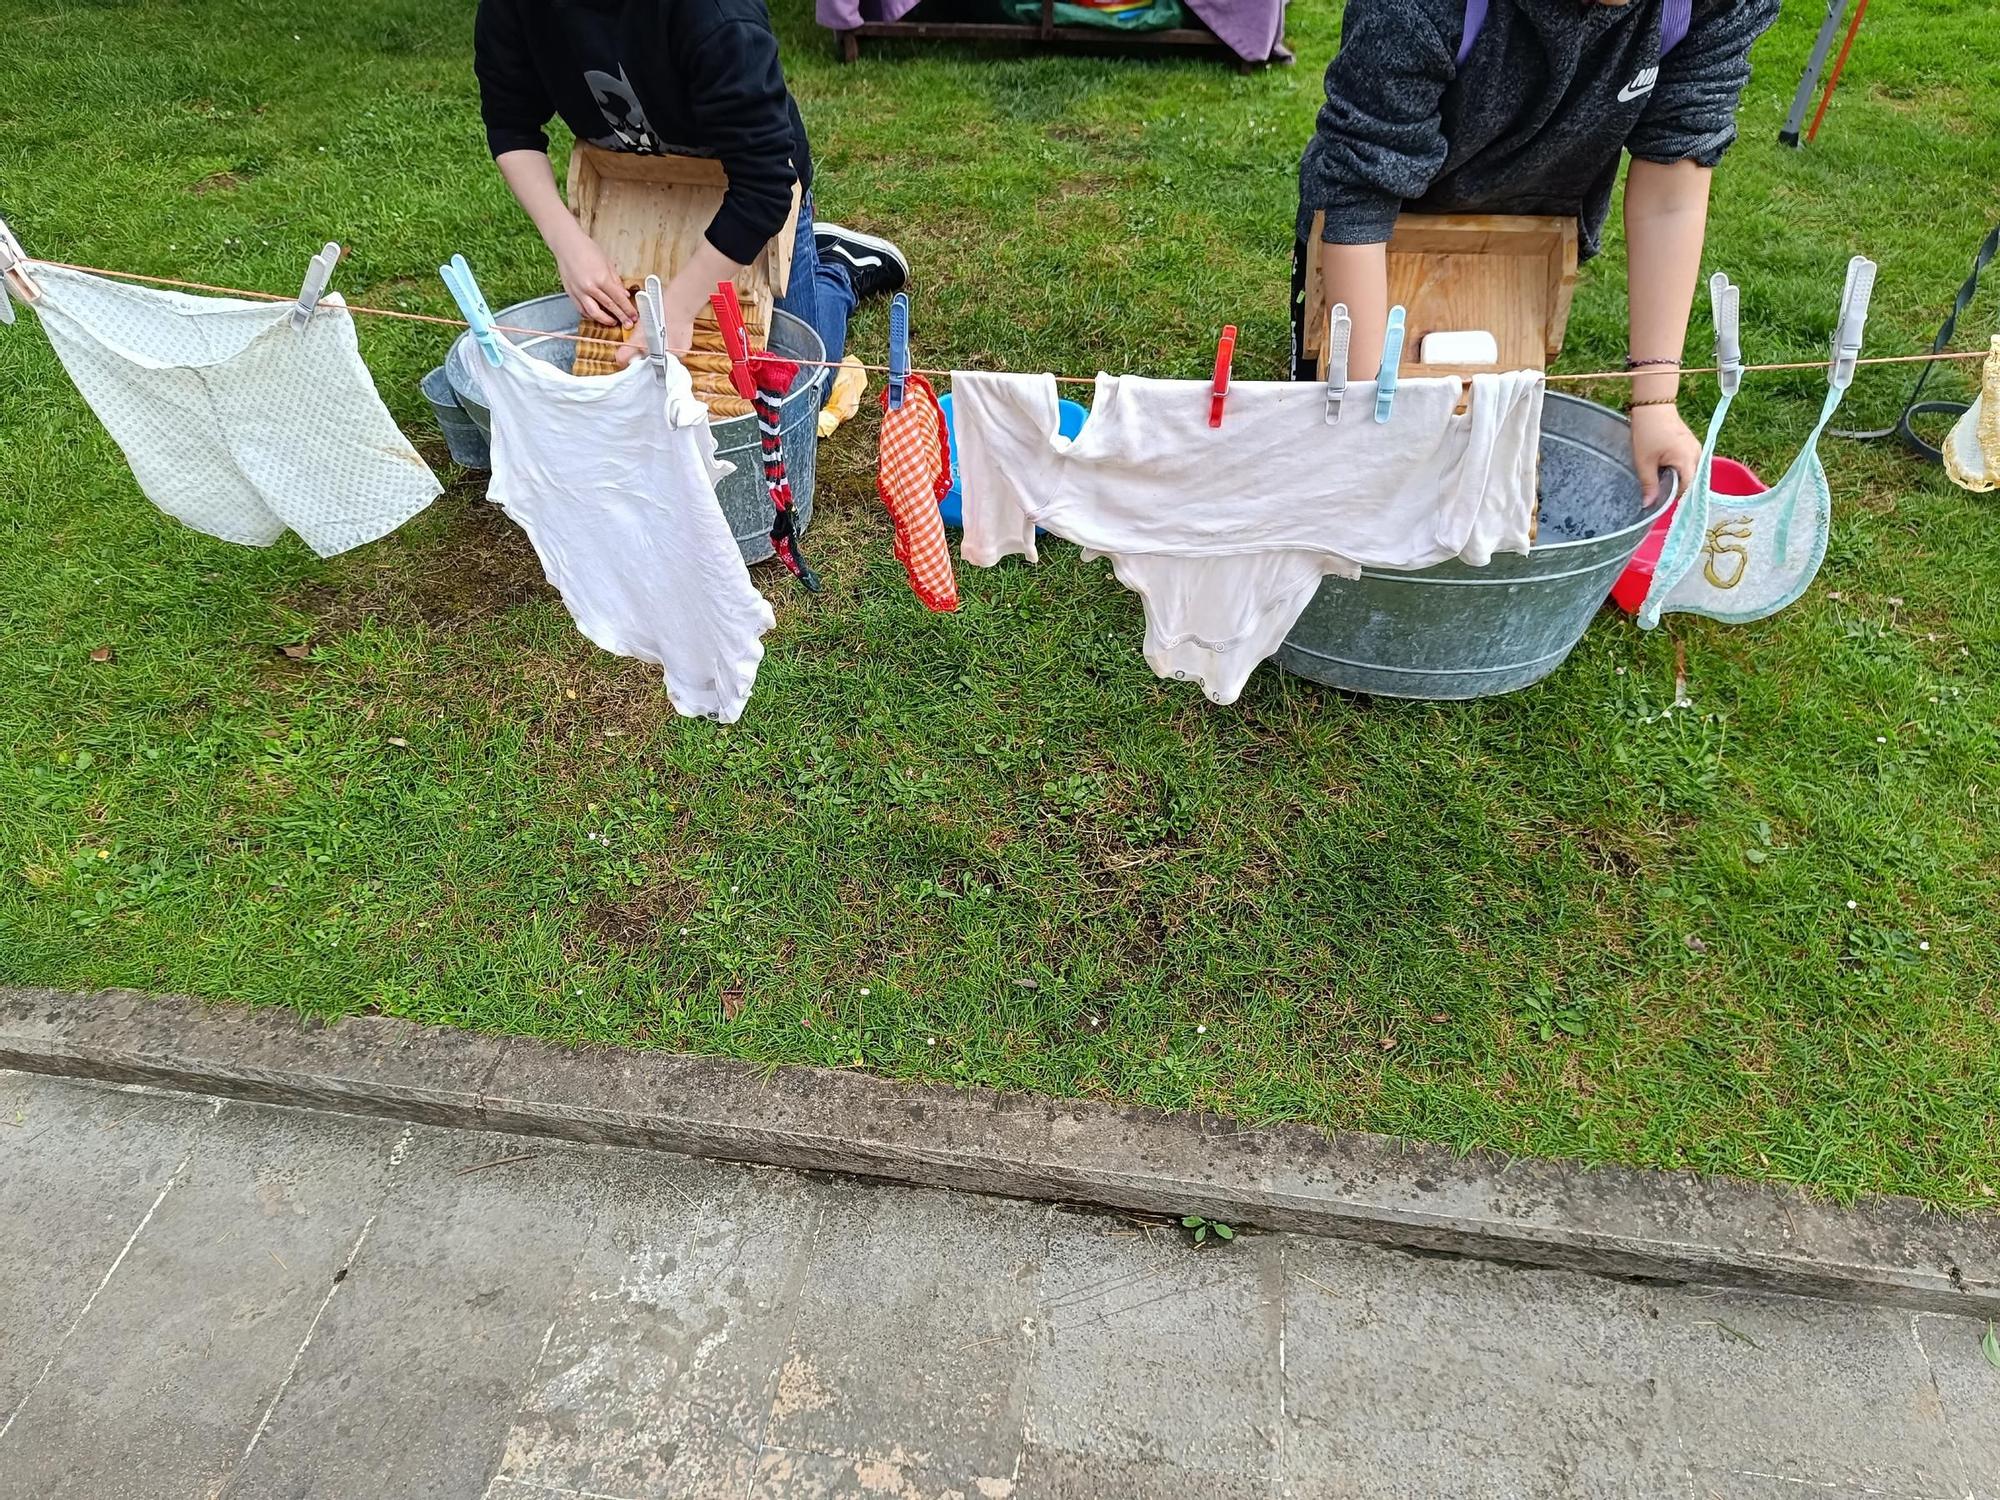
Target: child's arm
(1380, 142)
(744, 113)
(1666, 213)
(588, 274)
(1689, 123)
(1358, 275)
(515, 107)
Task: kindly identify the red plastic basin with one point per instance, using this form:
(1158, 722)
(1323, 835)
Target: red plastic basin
(1725, 477)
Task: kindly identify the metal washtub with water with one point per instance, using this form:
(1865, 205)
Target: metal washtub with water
(744, 499)
(1453, 631)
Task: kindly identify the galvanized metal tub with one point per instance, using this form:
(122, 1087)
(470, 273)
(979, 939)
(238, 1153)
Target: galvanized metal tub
(1454, 631)
(744, 499)
(462, 435)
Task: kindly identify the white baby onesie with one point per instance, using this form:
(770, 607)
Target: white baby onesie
(613, 479)
(234, 421)
(1225, 533)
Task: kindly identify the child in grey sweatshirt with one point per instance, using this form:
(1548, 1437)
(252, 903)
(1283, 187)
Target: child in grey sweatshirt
(1529, 111)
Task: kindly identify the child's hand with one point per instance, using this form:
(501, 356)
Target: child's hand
(593, 282)
(1661, 440)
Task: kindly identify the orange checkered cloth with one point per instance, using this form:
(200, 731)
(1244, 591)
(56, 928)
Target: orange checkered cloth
(911, 475)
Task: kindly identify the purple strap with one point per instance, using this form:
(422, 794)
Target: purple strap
(1475, 20)
(1675, 18)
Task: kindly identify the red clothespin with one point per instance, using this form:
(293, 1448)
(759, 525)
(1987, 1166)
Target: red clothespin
(1225, 356)
(735, 337)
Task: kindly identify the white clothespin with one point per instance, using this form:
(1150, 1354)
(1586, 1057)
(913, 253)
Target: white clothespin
(1853, 319)
(1392, 364)
(319, 271)
(653, 324)
(14, 275)
(1340, 329)
(1722, 299)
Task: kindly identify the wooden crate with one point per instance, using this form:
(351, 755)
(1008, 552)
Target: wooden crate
(1511, 275)
(650, 214)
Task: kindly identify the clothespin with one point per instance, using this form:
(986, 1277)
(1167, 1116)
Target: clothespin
(319, 271)
(1392, 361)
(1853, 319)
(899, 348)
(14, 272)
(1339, 333)
(653, 324)
(1722, 300)
(472, 302)
(1225, 356)
(735, 337)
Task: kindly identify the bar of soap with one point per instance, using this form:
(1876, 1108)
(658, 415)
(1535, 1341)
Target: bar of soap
(1476, 347)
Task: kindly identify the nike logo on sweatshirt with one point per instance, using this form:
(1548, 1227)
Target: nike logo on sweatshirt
(1641, 85)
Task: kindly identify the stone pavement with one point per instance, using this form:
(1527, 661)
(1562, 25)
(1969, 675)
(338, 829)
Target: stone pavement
(209, 1298)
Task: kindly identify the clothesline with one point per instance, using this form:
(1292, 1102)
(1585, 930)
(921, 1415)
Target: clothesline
(823, 364)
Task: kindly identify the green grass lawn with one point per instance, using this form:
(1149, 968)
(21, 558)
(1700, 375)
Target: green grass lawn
(1755, 936)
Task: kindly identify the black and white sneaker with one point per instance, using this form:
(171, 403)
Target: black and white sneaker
(876, 267)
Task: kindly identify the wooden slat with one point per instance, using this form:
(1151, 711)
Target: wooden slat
(651, 213)
(1512, 276)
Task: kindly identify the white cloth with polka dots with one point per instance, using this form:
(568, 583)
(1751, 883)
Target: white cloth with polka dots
(613, 478)
(234, 421)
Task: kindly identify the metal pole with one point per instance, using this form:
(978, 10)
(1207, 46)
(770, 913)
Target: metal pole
(1833, 79)
(1802, 100)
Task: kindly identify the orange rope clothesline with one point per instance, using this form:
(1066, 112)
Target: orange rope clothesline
(822, 364)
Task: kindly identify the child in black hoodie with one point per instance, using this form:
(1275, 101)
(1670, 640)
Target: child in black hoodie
(1529, 112)
(699, 77)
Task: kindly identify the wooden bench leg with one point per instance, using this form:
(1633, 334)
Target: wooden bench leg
(850, 47)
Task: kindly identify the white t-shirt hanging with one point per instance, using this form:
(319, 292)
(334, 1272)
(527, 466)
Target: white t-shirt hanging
(1225, 533)
(234, 421)
(613, 479)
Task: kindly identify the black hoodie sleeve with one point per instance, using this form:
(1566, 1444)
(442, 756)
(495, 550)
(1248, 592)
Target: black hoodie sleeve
(512, 101)
(1692, 114)
(738, 100)
(1380, 140)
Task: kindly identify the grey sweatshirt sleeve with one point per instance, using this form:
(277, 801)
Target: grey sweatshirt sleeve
(1380, 141)
(1692, 114)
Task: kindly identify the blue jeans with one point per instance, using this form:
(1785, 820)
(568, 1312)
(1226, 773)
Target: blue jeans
(818, 294)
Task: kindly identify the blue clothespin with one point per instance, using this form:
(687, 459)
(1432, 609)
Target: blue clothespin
(899, 348)
(1723, 299)
(465, 292)
(1392, 360)
(319, 271)
(1340, 332)
(653, 323)
(1853, 319)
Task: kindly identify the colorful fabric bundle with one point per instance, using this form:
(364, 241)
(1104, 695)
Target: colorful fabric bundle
(912, 473)
(774, 377)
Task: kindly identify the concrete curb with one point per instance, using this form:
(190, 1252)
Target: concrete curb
(1613, 1221)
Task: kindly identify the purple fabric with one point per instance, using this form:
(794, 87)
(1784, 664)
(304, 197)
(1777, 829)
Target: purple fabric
(1675, 18)
(845, 15)
(1475, 20)
(1252, 29)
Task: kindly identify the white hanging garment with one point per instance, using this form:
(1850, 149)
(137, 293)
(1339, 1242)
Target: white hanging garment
(613, 479)
(1972, 453)
(234, 421)
(1743, 558)
(1225, 533)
